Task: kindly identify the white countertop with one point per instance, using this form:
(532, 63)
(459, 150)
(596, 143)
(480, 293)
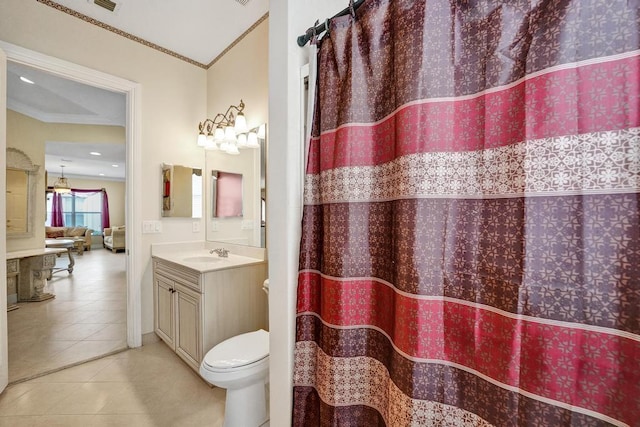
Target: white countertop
(204, 262)
(196, 256)
(34, 252)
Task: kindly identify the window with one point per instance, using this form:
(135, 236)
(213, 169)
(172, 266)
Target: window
(79, 210)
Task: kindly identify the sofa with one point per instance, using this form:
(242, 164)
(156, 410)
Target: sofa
(70, 233)
(114, 238)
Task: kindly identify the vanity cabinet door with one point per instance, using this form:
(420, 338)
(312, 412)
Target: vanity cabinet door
(163, 290)
(188, 325)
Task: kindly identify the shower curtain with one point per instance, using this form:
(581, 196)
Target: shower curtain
(470, 249)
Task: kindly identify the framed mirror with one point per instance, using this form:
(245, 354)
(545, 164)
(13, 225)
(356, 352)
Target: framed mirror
(248, 227)
(181, 191)
(22, 176)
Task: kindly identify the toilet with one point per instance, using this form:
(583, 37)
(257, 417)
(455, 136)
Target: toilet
(241, 365)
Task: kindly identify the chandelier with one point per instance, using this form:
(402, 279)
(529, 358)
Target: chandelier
(61, 185)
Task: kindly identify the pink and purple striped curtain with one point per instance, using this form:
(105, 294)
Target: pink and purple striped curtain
(470, 249)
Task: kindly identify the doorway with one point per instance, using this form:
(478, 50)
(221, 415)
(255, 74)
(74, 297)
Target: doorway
(130, 90)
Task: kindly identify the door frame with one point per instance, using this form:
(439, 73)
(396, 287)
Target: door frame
(133, 131)
(4, 343)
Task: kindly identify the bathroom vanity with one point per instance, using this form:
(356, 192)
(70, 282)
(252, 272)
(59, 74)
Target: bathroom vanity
(201, 299)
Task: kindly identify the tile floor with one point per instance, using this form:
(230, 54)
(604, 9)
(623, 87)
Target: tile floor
(85, 320)
(147, 386)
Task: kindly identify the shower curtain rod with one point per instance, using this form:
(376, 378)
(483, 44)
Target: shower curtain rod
(319, 29)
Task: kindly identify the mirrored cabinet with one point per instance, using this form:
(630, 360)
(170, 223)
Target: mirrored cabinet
(181, 191)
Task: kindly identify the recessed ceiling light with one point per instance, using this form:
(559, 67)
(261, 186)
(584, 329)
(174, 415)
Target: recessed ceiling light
(116, 166)
(26, 80)
(101, 174)
(95, 153)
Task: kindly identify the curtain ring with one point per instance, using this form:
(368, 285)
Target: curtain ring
(352, 9)
(314, 33)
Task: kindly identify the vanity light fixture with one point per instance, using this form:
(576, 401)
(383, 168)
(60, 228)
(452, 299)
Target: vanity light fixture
(61, 185)
(225, 132)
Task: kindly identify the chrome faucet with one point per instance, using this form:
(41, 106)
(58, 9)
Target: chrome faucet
(222, 252)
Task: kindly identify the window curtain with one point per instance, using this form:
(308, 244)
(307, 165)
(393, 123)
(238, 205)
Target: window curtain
(470, 250)
(57, 215)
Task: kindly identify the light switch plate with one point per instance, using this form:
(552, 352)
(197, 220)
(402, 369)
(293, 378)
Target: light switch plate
(151, 227)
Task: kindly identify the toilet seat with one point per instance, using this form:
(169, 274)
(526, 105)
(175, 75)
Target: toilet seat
(237, 352)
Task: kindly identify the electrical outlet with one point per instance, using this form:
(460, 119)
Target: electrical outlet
(195, 227)
(215, 226)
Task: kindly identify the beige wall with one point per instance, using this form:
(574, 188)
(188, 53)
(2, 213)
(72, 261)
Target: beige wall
(173, 101)
(242, 73)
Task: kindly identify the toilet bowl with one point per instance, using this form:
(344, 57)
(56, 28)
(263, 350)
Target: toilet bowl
(241, 365)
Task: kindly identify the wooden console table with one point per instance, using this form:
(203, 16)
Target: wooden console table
(35, 269)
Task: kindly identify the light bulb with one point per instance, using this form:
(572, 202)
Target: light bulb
(202, 139)
(240, 123)
(252, 140)
(219, 134)
(211, 145)
(262, 131)
(232, 149)
(229, 134)
(242, 140)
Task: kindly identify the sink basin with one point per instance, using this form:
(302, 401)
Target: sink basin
(202, 259)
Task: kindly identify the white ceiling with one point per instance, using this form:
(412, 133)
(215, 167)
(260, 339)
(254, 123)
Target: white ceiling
(200, 30)
(52, 99)
(197, 29)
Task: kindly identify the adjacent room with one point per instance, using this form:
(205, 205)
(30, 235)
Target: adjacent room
(76, 132)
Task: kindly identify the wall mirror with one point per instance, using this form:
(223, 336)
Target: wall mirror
(226, 194)
(181, 191)
(250, 165)
(22, 177)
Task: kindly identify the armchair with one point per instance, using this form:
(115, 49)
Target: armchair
(114, 238)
